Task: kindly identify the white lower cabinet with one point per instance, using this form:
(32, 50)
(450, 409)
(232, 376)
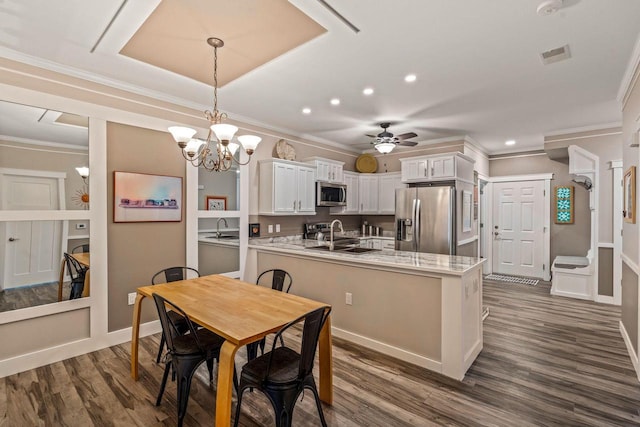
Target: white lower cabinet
(286, 188)
(377, 243)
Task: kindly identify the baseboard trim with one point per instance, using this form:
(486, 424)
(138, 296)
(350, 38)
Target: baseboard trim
(632, 353)
(571, 295)
(36, 359)
(632, 265)
(390, 350)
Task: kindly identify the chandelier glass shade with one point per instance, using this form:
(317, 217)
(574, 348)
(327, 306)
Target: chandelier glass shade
(217, 151)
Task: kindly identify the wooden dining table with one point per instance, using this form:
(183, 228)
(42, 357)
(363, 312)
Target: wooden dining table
(241, 313)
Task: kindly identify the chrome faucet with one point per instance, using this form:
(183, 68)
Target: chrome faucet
(331, 232)
(218, 234)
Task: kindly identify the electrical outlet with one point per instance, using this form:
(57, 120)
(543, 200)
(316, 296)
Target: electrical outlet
(348, 298)
(277, 228)
(81, 226)
(270, 228)
(131, 298)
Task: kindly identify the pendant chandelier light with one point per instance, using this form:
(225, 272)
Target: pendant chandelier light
(214, 154)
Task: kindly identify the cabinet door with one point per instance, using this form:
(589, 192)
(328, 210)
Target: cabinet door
(388, 244)
(368, 194)
(284, 200)
(442, 167)
(376, 244)
(351, 180)
(322, 171)
(337, 173)
(387, 193)
(306, 190)
(414, 170)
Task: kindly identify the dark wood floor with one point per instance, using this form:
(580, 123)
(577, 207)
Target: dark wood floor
(547, 361)
(31, 296)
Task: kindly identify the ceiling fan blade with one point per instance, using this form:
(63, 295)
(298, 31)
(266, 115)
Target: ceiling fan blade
(408, 143)
(371, 136)
(407, 135)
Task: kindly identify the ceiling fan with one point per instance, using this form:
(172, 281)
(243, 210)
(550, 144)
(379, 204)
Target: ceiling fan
(385, 141)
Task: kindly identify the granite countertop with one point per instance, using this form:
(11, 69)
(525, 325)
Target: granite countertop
(423, 262)
(211, 239)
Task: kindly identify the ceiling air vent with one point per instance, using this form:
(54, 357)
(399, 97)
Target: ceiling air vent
(555, 55)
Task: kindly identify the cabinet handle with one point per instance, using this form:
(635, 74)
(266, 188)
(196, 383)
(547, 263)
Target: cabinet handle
(299, 204)
(425, 172)
(294, 205)
(431, 170)
(361, 208)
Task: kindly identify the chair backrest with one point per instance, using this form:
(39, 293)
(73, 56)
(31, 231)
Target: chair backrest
(75, 269)
(77, 273)
(170, 329)
(80, 248)
(313, 323)
(280, 279)
(173, 274)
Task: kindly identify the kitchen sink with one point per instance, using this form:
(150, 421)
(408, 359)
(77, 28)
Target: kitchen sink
(326, 248)
(346, 249)
(358, 250)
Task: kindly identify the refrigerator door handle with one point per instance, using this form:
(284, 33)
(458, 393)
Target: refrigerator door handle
(416, 223)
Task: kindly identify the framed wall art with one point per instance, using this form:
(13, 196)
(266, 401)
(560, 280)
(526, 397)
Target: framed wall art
(629, 195)
(563, 202)
(216, 203)
(139, 197)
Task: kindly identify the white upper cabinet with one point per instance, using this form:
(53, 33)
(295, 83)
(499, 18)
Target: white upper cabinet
(388, 183)
(438, 167)
(368, 193)
(286, 188)
(327, 170)
(351, 180)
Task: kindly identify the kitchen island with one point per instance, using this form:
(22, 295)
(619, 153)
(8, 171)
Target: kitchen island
(422, 308)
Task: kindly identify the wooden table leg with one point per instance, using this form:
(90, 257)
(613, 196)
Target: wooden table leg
(87, 284)
(135, 336)
(326, 363)
(225, 384)
(63, 264)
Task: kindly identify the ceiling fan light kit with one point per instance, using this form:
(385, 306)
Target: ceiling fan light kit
(385, 141)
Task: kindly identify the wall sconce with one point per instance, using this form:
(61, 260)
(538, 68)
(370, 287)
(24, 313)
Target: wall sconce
(83, 171)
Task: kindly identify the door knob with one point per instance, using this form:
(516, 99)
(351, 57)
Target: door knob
(13, 239)
(496, 233)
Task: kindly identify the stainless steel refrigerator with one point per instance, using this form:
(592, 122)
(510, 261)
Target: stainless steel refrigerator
(426, 219)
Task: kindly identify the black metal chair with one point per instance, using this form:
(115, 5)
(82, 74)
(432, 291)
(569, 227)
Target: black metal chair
(280, 281)
(80, 248)
(186, 351)
(77, 274)
(282, 374)
(168, 275)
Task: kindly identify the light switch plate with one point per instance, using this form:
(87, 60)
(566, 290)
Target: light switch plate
(131, 298)
(277, 228)
(270, 228)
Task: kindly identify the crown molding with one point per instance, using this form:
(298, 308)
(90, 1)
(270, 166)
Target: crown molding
(41, 143)
(630, 75)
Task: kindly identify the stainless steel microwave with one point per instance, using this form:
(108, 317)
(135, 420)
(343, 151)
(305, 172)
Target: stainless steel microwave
(330, 194)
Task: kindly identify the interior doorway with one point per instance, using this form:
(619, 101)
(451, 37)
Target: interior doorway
(32, 249)
(519, 229)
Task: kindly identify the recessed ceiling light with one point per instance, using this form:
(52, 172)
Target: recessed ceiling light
(368, 91)
(335, 101)
(306, 110)
(409, 78)
(510, 142)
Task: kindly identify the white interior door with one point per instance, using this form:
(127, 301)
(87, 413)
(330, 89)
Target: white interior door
(32, 248)
(518, 228)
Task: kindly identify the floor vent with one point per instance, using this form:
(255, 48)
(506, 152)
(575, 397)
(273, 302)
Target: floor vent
(512, 279)
(555, 55)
